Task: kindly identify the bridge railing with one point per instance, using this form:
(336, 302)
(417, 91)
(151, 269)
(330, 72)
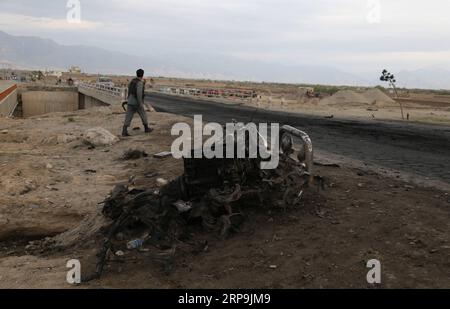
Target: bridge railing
(8, 99)
(115, 94)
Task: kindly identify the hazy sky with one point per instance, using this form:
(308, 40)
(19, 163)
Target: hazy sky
(354, 35)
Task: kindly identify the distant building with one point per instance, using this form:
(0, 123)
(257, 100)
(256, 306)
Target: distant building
(3, 74)
(6, 74)
(57, 74)
(75, 69)
(105, 81)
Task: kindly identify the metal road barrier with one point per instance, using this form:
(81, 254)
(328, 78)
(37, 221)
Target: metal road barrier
(8, 99)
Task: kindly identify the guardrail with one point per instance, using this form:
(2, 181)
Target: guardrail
(108, 94)
(7, 104)
(7, 91)
(242, 94)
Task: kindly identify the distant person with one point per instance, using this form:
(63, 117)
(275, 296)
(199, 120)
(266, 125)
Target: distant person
(136, 94)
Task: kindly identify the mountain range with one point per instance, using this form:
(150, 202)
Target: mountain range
(26, 52)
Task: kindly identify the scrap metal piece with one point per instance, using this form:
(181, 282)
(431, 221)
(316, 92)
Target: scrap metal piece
(183, 206)
(308, 154)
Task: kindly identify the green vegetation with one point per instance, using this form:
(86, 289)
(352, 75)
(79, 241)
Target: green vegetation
(441, 92)
(326, 89)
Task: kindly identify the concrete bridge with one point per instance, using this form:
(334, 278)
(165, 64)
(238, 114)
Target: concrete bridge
(94, 94)
(33, 100)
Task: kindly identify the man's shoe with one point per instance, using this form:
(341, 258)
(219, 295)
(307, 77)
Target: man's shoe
(125, 132)
(148, 130)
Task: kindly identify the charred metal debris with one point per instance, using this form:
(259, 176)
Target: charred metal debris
(212, 194)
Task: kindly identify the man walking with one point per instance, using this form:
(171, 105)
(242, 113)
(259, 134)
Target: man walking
(136, 94)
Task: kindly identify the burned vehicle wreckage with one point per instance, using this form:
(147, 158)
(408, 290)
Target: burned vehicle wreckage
(211, 196)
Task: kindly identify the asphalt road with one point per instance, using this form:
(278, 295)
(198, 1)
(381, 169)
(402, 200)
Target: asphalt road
(417, 149)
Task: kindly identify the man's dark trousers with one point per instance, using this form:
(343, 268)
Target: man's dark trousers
(131, 110)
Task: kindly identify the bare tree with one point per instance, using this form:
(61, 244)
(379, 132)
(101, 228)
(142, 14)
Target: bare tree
(390, 78)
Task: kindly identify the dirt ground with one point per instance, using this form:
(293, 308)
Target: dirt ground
(422, 106)
(51, 185)
(417, 113)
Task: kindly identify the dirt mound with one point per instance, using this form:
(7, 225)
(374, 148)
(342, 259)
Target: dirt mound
(345, 98)
(378, 97)
(372, 96)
